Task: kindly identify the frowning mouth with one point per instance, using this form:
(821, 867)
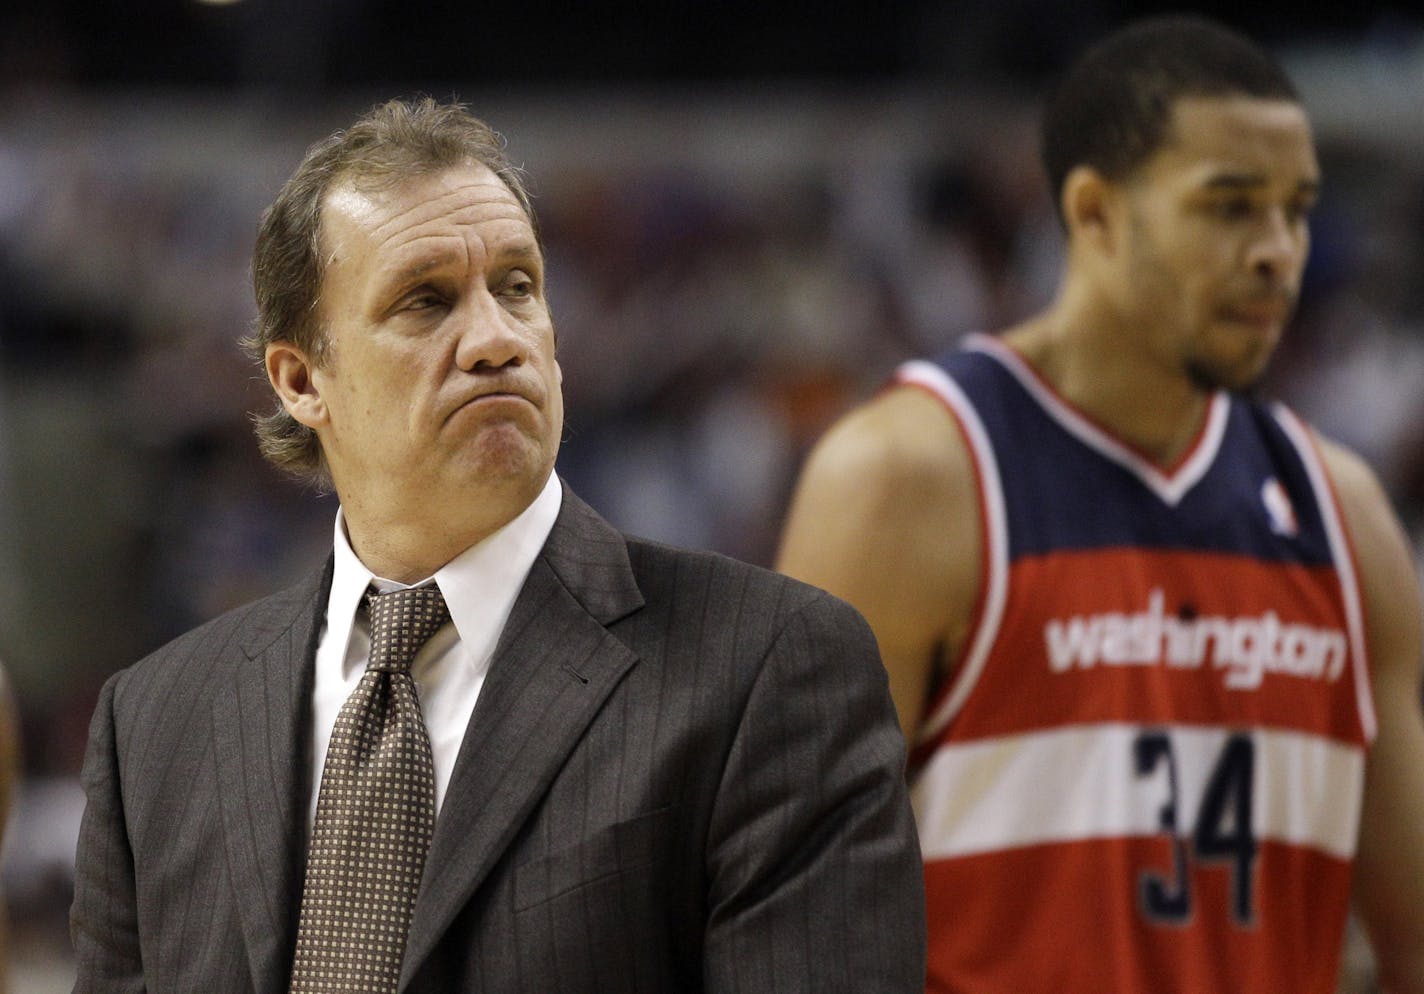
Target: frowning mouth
(1258, 318)
(492, 401)
(1264, 315)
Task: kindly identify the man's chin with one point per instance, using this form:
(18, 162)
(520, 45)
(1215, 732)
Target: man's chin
(1235, 361)
(1240, 377)
(505, 459)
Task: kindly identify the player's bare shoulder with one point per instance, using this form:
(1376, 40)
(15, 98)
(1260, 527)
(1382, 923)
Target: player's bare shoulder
(1388, 582)
(1354, 481)
(1369, 516)
(899, 451)
(886, 515)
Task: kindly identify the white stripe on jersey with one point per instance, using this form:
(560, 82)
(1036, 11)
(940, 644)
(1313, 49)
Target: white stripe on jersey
(1081, 782)
(931, 377)
(1343, 554)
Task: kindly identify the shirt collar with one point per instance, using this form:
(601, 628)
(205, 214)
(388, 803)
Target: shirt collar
(479, 585)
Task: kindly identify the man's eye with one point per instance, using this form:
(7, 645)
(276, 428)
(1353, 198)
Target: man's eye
(1234, 208)
(518, 285)
(422, 302)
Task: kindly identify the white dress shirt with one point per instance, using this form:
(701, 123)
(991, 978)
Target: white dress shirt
(479, 585)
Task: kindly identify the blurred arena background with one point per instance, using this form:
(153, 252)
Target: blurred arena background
(753, 212)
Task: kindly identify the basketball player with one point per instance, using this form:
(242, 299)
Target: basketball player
(1156, 644)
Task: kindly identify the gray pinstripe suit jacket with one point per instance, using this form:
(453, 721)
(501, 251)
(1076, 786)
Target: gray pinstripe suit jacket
(683, 774)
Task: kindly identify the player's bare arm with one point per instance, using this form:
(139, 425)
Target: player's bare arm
(886, 517)
(1389, 870)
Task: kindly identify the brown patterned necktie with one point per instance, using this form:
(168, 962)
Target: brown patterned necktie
(375, 813)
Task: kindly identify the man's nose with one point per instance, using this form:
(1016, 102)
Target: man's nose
(1279, 248)
(489, 336)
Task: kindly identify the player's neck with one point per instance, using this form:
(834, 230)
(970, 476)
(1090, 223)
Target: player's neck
(1158, 412)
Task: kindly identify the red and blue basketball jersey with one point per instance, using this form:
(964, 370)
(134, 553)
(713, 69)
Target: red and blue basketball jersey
(1144, 772)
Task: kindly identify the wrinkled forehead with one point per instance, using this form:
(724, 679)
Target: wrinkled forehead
(376, 241)
(389, 206)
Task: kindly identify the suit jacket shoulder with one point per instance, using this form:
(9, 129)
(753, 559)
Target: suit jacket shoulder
(627, 574)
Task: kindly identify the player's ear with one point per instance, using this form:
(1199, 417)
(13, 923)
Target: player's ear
(291, 373)
(1088, 202)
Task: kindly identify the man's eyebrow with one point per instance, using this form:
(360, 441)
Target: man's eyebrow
(1234, 181)
(518, 249)
(1253, 181)
(413, 272)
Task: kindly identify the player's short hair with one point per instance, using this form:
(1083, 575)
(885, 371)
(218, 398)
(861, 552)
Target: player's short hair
(1113, 108)
(391, 142)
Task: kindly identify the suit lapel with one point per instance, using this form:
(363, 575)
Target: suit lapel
(555, 665)
(260, 730)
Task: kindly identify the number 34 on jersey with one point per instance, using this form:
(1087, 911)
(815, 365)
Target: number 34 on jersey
(1211, 798)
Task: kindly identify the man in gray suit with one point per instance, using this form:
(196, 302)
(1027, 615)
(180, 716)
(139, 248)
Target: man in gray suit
(654, 770)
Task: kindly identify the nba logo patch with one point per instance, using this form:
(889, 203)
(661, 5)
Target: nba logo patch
(1279, 509)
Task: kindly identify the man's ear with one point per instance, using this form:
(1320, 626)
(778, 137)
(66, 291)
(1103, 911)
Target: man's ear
(289, 370)
(1090, 205)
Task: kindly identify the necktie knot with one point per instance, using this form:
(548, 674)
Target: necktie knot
(401, 622)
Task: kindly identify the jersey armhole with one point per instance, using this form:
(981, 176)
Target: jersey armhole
(1342, 550)
(968, 666)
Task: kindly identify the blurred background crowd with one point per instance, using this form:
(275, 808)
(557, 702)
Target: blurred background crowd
(752, 213)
